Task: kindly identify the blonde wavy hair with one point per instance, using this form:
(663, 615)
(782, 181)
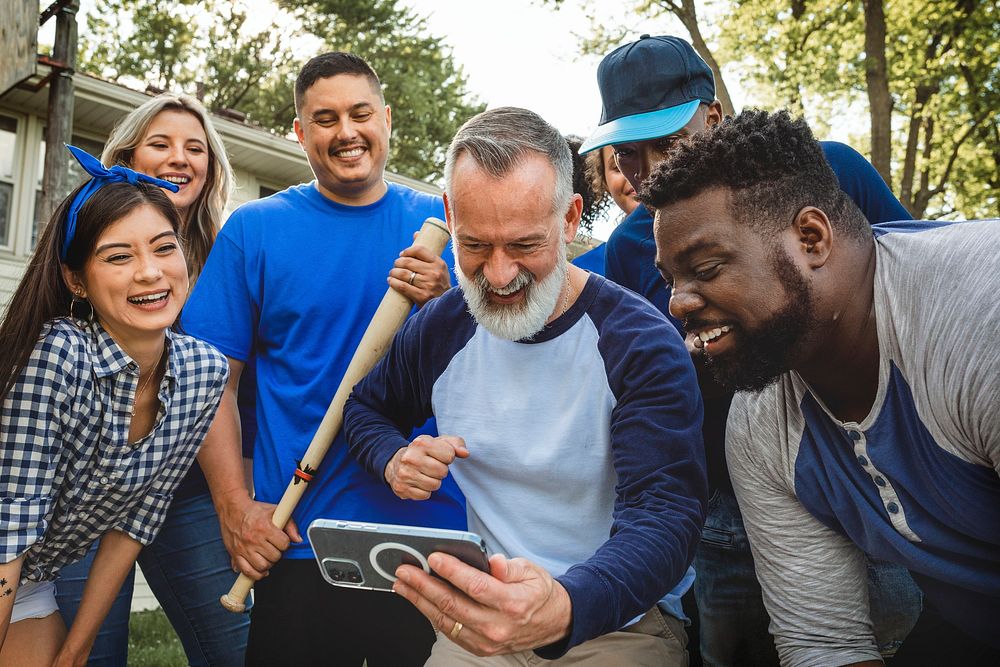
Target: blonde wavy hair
(204, 218)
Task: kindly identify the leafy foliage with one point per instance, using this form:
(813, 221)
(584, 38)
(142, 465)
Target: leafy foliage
(210, 49)
(810, 56)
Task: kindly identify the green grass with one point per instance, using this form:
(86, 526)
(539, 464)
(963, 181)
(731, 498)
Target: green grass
(152, 642)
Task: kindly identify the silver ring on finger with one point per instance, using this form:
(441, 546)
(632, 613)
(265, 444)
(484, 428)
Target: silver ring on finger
(413, 277)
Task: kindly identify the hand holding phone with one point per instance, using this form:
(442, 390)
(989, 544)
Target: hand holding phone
(416, 471)
(366, 555)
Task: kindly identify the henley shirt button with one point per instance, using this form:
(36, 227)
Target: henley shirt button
(131, 367)
(892, 507)
(880, 481)
(104, 480)
(863, 461)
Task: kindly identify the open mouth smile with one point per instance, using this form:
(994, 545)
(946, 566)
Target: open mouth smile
(709, 339)
(176, 179)
(151, 300)
(348, 153)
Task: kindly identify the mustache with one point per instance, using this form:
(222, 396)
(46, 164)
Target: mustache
(521, 280)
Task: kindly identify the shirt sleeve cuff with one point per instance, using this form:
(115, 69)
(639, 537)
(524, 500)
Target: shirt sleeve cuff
(23, 522)
(384, 451)
(593, 610)
(144, 522)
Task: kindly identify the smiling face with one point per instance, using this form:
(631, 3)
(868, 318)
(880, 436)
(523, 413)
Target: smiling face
(135, 278)
(343, 126)
(615, 182)
(175, 148)
(510, 244)
(740, 292)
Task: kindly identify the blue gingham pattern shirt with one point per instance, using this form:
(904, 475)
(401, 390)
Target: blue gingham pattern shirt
(68, 473)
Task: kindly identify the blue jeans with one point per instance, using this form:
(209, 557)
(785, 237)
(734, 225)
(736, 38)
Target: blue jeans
(188, 569)
(733, 621)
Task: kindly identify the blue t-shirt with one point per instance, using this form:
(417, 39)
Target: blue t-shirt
(293, 280)
(631, 256)
(598, 477)
(592, 260)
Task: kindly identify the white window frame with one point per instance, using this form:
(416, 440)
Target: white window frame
(9, 249)
(36, 185)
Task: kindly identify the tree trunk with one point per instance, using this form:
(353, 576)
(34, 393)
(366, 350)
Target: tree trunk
(879, 100)
(922, 197)
(688, 15)
(920, 98)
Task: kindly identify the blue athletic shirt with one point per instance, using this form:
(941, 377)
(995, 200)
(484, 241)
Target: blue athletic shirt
(592, 260)
(631, 256)
(585, 451)
(293, 280)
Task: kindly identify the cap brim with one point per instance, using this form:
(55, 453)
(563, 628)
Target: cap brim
(641, 126)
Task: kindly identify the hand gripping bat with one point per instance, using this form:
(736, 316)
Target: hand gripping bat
(389, 317)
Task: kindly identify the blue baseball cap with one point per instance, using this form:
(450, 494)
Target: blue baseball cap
(649, 89)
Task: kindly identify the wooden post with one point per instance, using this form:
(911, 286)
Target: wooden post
(59, 128)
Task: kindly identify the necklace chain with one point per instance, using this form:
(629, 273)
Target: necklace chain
(142, 386)
(565, 299)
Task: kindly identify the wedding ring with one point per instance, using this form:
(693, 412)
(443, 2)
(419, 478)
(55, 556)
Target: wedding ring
(455, 630)
(413, 276)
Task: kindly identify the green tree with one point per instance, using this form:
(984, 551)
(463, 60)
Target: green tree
(928, 71)
(208, 49)
(423, 84)
(925, 71)
(159, 39)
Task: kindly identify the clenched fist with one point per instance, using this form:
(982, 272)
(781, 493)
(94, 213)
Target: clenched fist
(416, 471)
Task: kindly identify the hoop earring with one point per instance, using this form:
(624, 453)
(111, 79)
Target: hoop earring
(79, 304)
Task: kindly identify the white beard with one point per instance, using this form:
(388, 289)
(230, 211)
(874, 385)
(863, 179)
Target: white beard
(516, 321)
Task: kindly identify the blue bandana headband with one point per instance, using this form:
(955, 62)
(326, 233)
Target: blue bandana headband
(101, 176)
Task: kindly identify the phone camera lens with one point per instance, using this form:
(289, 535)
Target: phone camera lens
(337, 575)
(354, 577)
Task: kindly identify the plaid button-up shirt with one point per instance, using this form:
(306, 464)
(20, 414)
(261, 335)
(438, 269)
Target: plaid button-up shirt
(68, 473)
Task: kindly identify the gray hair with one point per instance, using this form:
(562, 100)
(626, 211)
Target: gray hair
(498, 139)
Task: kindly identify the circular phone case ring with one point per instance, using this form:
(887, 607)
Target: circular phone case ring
(386, 546)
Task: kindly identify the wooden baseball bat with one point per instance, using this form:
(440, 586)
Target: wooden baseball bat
(387, 320)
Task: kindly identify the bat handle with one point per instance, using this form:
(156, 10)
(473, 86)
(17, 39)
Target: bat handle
(236, 599)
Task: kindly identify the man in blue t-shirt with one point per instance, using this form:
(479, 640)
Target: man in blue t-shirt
(292, 282)
(656, 92)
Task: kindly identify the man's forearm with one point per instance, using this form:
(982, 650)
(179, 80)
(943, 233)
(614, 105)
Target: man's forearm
(220, 456)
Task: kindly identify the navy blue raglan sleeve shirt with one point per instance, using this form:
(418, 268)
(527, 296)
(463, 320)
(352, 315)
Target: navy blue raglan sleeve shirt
(585, 447)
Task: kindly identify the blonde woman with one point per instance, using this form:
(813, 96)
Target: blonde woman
(187, 567)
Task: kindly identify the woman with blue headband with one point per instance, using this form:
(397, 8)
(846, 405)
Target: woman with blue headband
(102, 405)
(187, 567)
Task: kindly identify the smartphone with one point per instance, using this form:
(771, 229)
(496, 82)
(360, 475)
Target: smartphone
(365, 555)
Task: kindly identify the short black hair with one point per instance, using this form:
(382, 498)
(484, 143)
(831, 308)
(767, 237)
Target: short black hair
(334, 63)
(772, 165)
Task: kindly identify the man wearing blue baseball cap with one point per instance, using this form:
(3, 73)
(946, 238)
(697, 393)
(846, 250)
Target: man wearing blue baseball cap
(655, 92)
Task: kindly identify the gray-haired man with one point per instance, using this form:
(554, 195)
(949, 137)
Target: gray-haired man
(569, 423)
